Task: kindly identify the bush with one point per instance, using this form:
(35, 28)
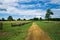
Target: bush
(19, 24)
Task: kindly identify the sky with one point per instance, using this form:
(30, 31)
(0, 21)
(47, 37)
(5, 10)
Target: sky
(28, 8)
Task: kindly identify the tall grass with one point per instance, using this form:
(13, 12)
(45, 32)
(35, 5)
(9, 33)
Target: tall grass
(14, 33)
(52, 28)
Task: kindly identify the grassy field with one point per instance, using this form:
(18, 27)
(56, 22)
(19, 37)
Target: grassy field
(52, 28)
(14, 33)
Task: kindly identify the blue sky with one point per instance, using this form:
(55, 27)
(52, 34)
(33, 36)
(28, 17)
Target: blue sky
(28, 8)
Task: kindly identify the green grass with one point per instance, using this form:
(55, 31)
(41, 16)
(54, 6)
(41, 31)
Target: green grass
(14, 33)
(52, 28)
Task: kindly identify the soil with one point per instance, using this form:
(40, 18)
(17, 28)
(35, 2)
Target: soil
(36, 33)
(3, 33)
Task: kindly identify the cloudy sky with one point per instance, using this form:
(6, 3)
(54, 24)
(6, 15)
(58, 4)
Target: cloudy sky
(28, 8)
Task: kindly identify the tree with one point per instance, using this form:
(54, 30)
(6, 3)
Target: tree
(3, 19)
(35, 19)
(18, 19)
(48, 14)
(10, 18)
(24, 19)
(40, 18)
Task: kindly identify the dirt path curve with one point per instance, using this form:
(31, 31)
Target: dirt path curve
(35, 33)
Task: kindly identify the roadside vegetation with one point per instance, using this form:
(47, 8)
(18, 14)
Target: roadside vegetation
(14, 33)
(52, 28)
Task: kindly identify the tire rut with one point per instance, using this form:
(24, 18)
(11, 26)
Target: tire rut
(36, 33)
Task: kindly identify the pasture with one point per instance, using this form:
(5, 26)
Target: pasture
(19, 32)
(14, 33)
(52, 28)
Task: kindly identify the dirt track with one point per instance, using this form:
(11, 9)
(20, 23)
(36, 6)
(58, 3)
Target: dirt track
(35, 33)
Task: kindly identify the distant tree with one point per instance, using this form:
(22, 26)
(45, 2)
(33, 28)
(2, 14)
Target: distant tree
(24, 19)
(55, 19)
(3, 19)
(35, 19)
(10, 18)
(48, 14)
(18, 19)
(40, 18)
(31, 19)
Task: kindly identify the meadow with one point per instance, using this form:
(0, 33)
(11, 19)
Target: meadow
(52, 28)
(14, 33)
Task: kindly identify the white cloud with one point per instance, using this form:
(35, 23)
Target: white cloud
(27, 6)
(38, 16)
(25, 0)
(9, 1)
(55, 1)
(11, 9)
(9, 5)
(56, 13)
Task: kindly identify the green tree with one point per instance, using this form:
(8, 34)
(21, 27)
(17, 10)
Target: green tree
(35, 19)
(18, 19)
(3, 19)
(10, 18)
(24, 19)
(48, 14)
(40, 18)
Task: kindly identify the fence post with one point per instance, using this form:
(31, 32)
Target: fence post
(1, 26)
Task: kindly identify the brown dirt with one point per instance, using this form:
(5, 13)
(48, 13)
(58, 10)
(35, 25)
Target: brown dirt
(3, 33)
(35, 33)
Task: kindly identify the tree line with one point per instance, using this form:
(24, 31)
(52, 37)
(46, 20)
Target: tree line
(47, 17)
(10, 18)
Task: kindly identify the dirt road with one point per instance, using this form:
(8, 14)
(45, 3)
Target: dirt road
(35, 33)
